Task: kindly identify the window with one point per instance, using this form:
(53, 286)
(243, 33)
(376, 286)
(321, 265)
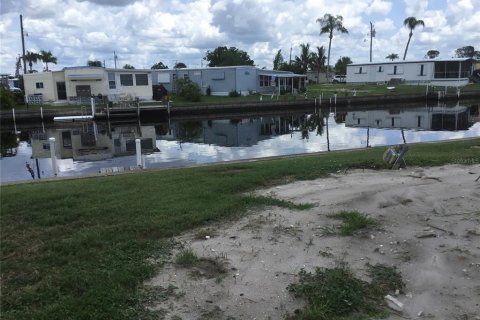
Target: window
(39, 85)
(421, 70)
(111, 80)
(264, 81)
(394, 72)
(361, 70)
(185, 76)
(126, 80)
(380, 68)
(141, 79)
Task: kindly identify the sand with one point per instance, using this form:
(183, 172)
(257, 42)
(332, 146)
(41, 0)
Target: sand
(429, 229)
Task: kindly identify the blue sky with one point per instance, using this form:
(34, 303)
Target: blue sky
(143, 32)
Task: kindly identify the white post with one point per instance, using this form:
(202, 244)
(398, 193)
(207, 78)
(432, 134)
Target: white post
(41, 112)
(52, 155)
(139, 153)
(92, 102)
(14, 121)
(335, 99)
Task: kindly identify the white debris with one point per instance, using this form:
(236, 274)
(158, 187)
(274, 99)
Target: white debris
(393, 303)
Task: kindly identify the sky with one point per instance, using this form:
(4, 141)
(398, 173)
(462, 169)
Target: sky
(144, 32)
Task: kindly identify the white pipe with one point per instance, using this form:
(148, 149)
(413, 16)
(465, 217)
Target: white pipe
(52, 155)
(92, 102)
(41, 112)
(14, 121)
(139, 153)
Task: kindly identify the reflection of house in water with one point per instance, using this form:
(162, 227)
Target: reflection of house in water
(91, 142)
(427, 118)
(226, 132)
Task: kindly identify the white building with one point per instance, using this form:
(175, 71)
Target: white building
(448, 72)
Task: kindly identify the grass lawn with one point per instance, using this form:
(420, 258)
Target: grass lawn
(81, 248)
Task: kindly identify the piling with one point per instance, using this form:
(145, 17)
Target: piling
(139, 153)
(52, 155)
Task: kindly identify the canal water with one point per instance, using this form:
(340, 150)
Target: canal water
(92, 147)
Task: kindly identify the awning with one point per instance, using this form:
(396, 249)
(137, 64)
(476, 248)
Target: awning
(282, 75)
(85, 77)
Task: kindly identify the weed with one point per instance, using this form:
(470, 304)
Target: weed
(352, 222)
(186, 258)
(337, 294)
(271, 201)
(385, 279)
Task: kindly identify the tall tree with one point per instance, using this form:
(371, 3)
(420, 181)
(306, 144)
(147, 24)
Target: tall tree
(305, 57)
(341, 65)
(180, 65)
(31, 58)
(94, 63)
(411, 23)
(47, 57)
(392, 56)
(159, 65)
(329, 24)
(467, 52)
(128, 66)
(432, 54)
(223, 56)
(317, 62)
(278, 60)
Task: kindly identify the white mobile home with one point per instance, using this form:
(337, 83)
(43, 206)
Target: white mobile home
(78, 84)
(448, 72)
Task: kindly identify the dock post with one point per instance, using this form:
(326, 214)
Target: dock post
(14, 121)
(335, 99)
(38, 168)
(92, 102)
(168, 107)
(139, 153)
(41, 112)
(52, 155)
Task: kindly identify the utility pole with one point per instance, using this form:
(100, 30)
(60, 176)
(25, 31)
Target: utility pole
(23, 46)
(115, 59)
(372, 35)
(290, 59)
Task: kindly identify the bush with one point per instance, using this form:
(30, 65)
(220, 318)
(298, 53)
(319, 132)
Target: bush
(234, 94)
(189, 90)
(7, 99)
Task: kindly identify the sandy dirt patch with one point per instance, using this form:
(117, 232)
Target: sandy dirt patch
(429, 229)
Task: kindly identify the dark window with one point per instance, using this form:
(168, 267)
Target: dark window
(126, 80)
(141, 79)
(421, 70)
(61, 90)
(380, 69)
(111, 80)
(395, 70)
(39, 85)
(360, 70)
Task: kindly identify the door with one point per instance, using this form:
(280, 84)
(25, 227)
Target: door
(61, 91)
(84, 91)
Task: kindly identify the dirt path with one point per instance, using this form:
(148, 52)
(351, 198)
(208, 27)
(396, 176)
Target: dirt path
(430, 230)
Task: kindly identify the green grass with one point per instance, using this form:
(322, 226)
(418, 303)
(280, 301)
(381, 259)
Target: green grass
(352, 221)
(337, 294)
(186, 258)
(82, 248)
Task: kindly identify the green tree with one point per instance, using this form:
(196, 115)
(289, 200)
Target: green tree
(467, 52)
(329, 24)
(392, 56)
(189, 90)
(278, 60)
(411, 23)
(31, 58)
(341, 65)
(159, 65)
(180, 65)
(317, 61)
(128, 66)
(47, 57)
(223, 56)
(303, 61)
(7, 99)
(432, 54)
(94, 63)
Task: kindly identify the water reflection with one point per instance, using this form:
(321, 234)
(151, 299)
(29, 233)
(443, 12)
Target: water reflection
(83, 148)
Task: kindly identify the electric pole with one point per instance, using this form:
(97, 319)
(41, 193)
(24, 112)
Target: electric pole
(23, 46)
(372, 35)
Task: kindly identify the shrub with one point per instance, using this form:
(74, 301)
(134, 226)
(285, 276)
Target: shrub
(234, 94)
(189, 90)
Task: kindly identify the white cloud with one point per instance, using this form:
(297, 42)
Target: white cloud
(143, 32)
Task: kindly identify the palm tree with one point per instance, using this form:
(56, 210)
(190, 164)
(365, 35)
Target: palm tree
(305, 56)
(329, 24)
(47, 57)
(392, 56)
(411, 23)
(31, 58)
(317, 61)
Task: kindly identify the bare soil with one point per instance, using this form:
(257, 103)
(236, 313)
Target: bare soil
(429, 229)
